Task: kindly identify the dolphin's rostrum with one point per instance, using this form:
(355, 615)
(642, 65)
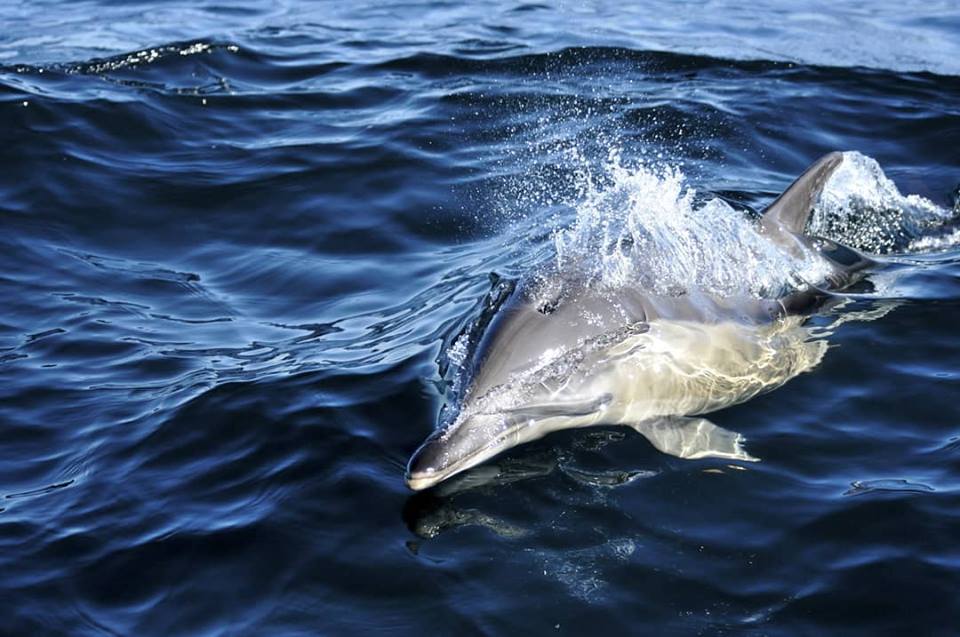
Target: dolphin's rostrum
(563, 353)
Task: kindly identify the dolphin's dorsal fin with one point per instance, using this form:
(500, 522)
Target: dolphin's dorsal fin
(791, 211)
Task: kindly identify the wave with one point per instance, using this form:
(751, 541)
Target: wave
(174, 66)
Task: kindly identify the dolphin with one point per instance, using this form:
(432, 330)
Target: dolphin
(562, 352)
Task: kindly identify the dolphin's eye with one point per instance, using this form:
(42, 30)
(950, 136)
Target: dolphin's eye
(548, 307)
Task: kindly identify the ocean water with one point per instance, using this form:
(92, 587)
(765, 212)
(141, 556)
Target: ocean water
(243, 247)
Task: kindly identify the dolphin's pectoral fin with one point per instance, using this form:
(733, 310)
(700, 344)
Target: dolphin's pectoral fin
(692, 438)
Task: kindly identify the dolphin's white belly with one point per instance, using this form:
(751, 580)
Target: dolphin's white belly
(679, 368)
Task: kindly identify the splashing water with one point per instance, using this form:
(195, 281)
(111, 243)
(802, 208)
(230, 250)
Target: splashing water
(645, 227)
(861, 207)
(642, 225)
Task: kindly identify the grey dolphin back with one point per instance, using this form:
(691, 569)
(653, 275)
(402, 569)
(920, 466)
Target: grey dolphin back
(791, 210)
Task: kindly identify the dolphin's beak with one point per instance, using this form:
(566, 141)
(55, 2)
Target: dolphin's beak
(448, 452)
(421, 481)
(426, 466)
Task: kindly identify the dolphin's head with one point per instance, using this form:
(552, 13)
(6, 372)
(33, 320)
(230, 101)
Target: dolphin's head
(511, 397)
(515, 339)
(479, 436)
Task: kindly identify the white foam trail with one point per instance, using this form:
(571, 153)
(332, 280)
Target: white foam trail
(936, 243)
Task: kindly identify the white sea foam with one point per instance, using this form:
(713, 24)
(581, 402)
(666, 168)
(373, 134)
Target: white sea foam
(935, 243)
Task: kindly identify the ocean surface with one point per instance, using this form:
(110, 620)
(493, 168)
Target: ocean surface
(242, 242)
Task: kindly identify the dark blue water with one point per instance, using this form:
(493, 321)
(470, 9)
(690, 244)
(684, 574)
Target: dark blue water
(238, 243)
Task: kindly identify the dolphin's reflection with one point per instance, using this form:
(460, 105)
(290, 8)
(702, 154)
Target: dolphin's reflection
(434, 511)
(468, 499)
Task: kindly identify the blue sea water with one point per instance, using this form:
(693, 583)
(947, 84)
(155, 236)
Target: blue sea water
(240, 245)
